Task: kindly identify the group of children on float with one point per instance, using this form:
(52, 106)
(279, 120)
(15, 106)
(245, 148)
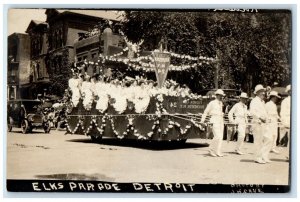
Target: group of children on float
(102, 90)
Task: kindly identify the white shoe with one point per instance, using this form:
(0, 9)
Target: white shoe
(260, 161)
(275, 151)
(211, 153)
(220, 155)
(239, 152)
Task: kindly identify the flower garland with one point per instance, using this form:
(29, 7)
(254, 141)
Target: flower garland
(178, 126)
(185, 130)
(156, 129)
(113, 128)
(149, 66)
(135, 47)
(90, 126)
(130, 128)
(159, 105)
(125, 133)
(155, 125)
(170, 126)
(197, 125)
(191, 58)
(80, 123)
(103, 124)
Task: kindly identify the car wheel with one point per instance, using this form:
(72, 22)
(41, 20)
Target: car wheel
(47, 127)
(24, 126)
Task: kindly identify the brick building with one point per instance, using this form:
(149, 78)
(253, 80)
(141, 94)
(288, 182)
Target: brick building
(18, 66)
(39, 77)
(44, 64)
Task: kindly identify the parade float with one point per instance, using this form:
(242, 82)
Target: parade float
(140, 110)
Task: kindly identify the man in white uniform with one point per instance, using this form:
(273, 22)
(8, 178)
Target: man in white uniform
(285, 114)
(274, 118)
(259, 113)
(240, 111)
(215, 110)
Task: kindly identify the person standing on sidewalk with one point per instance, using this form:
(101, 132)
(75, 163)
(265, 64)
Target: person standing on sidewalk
(274, 118)
(259, 114)
(240, 111)
(215, 110)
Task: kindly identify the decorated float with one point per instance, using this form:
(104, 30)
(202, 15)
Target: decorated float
(135, 108)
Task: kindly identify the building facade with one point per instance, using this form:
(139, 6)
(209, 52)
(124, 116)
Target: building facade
(39, 77)
(18, 70)
(40, 61)
(64, 29)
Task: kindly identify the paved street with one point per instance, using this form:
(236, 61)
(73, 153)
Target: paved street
(58, 156)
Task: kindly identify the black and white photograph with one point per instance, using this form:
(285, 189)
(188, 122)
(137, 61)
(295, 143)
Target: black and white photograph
(149, 100)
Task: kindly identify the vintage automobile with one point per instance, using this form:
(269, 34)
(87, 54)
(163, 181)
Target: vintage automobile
(27, 115)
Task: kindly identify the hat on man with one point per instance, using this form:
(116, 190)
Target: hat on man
(87, 77)
(288, 88)
(220, 92)
(140, 82)
(258, 88)
(274, 93)
(244, 95)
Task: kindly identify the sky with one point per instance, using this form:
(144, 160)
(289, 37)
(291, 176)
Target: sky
(19, 19)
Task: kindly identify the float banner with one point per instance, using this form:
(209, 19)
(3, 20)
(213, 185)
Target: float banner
(162, 63)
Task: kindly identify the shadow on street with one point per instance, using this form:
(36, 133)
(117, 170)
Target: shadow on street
(150, 145)
(30, 133)
(75, 176)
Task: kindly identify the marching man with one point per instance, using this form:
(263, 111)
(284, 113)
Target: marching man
(259, 113)
(285, 114)
(214, 108)
(274, 118)
(240, 111)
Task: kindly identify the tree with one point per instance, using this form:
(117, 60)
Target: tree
(252, 47)
(59, 68)
(181, 30)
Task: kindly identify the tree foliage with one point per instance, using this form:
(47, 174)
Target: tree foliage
(252, 48)
(58, 72)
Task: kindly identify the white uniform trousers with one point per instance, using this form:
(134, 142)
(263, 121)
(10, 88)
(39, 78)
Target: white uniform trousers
(286, 129)
(217, 129)
(241, 129)
(273, 133)
(262, 142)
